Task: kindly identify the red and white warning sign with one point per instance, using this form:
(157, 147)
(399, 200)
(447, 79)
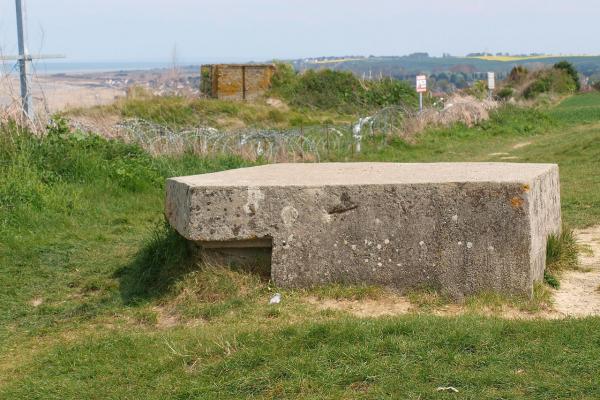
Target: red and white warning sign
(421, 83)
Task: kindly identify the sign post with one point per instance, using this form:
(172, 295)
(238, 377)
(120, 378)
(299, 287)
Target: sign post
(421, 88)
(491, 83)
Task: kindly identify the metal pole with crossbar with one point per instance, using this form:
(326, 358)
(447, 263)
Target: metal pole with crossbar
(23, 58)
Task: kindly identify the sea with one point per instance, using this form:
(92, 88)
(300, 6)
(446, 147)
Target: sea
(43, 67)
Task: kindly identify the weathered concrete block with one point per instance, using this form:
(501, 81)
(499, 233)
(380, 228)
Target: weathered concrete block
(457, 227)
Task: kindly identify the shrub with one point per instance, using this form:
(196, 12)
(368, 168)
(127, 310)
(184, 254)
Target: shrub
(389, 91)
(328, 89)
(518, 74)
(569, 69)
(284, 80)
(540, 85)
(478, 90)
(555, 80)
(338, 90)
(505, 93)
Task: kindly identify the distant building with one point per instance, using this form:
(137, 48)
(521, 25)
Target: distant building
(236, 81)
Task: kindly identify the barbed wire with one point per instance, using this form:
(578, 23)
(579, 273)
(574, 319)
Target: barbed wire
(303, 143)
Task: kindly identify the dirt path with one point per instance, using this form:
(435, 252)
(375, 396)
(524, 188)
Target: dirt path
(579, 293)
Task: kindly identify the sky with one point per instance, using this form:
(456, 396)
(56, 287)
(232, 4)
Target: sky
(244, 30)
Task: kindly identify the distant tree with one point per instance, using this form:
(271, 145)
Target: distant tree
(443, 85)
(459, 80)
(571, 70)
(419, 55)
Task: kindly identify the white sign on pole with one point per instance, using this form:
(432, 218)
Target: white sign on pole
(491, 81)
(421, 83)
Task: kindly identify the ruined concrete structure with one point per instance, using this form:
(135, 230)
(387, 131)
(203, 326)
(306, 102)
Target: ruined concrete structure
(236, 81)
(460, 228)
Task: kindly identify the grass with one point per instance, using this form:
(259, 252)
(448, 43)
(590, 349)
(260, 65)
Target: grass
(579, 109)
(177, 111)
(492, 302)
(405, 357)
(99, 299)
(561, 251)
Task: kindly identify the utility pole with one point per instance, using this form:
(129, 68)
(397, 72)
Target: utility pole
(23, 58)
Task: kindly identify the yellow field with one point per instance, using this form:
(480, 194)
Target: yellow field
(337, 60)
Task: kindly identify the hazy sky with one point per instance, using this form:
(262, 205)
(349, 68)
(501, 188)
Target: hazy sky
(147, 30)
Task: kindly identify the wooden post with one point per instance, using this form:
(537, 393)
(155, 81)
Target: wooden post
(243, 82)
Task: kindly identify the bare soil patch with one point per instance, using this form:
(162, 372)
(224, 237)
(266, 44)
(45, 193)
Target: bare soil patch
(578, 295)
(392, 305)
(395, 305)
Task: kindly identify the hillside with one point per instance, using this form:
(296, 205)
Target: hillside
(99, 299)
(469, 68)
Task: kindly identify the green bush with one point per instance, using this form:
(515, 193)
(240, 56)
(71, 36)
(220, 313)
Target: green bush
(555, 80)
(569, 69)
(339, 90)
(505, 93)
(540, 85)
(386, 92)
(328, 89)
(284, 80)
(479, 90)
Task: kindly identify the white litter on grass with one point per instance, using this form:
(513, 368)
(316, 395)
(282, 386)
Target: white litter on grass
(275, 299)
(447, 389)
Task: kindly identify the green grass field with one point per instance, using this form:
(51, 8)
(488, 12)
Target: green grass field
(98, 299)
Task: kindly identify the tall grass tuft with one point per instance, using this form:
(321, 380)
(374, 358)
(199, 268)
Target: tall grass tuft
(561, 252)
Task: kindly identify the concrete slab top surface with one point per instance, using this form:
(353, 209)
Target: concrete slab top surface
(368, 173)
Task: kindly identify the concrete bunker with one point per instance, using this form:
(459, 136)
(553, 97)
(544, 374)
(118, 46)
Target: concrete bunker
(459, 227)
(236, 81)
